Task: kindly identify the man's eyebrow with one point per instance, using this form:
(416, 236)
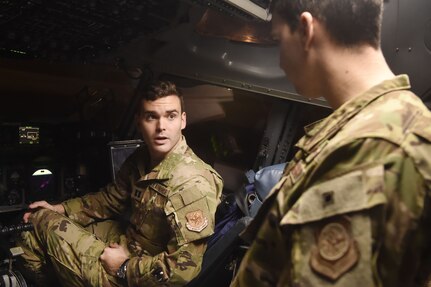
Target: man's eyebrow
(149, 112)
(172, 111)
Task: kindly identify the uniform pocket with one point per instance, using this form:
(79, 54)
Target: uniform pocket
(354, 191)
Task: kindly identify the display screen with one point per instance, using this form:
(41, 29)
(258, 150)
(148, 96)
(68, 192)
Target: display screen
(28, 135)
(120, 151)
(42, 185)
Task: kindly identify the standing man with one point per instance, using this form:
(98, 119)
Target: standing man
(352, 208)
(171, 196)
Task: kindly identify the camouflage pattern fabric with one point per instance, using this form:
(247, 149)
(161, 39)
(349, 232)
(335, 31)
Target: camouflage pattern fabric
(352, 208)
(171, 213)
(73, 252)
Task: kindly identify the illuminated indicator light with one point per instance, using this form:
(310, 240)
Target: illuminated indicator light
(42, 172)
(18, 52)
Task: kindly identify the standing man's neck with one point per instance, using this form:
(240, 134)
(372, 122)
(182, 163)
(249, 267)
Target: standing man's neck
(352, 74)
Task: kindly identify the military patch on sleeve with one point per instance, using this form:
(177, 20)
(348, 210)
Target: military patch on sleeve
(335, 252)
(196, 221)
(297, 171)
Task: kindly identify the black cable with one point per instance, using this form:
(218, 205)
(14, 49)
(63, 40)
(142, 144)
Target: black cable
(5, 230)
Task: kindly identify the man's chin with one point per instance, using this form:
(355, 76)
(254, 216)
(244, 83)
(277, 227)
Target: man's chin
(160, 151)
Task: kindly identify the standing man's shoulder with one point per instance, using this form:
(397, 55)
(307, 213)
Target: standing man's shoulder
(403, 101)
(391, 116)
(404, 113)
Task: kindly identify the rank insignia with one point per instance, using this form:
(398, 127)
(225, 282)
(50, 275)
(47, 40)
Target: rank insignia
(137, 193)
(196, 221)
(335, 252)
(297, 171)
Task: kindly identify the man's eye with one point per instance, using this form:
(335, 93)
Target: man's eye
(172, 116)
(149, 117)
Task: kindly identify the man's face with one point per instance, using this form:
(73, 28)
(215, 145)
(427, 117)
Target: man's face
(160, 123)
(291, 51)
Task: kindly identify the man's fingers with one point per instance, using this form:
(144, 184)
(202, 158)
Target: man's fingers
(114, 245)
(26, 217)
(38, 204)
(33, 207)
(102, 256)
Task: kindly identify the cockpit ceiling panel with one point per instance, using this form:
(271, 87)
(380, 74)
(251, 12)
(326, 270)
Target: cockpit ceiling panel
(173, 35)
(248, 10)
(221, 25)
(67, 30)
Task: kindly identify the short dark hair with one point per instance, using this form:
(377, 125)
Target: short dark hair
(349, 22)
(162, 89)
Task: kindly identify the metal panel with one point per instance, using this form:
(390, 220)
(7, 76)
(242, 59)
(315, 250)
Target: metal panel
(406, 30)
(245, 66)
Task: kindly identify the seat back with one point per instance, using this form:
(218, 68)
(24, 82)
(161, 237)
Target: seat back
(233, 215)
(220, 253)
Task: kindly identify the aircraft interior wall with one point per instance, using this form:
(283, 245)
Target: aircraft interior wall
(57, 158)
(70, 72)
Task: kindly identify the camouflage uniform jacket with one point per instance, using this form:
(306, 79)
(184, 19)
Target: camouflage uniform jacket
(172, 207)
(352, 208)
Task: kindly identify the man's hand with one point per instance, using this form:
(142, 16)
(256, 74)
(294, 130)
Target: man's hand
(112, 258)
(42, 204)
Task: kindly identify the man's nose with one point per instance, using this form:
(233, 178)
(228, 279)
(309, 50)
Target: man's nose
(161, 124)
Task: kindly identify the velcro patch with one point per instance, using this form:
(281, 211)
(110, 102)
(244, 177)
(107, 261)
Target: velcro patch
(160, 189)
(335, 251)
(297, 171)
(196, 221)
(355, 191)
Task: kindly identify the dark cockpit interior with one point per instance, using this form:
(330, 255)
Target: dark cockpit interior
(71, 72)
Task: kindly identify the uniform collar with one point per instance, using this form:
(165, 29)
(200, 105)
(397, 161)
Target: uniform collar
(161, 172)
(326, 128)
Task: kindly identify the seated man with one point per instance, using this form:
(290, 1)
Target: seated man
(170, 193)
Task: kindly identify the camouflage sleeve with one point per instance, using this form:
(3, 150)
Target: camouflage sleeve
(191, 213)
(361, 220)
(191, 210)
(174, 269)
(108, 202)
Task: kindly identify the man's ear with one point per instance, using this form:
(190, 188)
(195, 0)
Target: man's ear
(306, 22)
(183, 120)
